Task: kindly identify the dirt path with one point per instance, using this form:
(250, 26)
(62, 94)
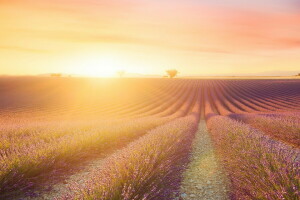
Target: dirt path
(204, 179)
(61, 188)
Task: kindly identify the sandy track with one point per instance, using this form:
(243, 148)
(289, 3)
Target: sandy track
(204, 177)
(62, 187)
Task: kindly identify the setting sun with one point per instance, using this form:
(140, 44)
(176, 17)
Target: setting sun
(96, 65)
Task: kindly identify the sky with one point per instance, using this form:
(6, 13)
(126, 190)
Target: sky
(196, 37)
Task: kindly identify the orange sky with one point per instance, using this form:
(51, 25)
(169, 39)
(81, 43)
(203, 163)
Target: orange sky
(99, 37)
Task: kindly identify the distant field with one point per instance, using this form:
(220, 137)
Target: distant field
(142, 131)
(245, 77)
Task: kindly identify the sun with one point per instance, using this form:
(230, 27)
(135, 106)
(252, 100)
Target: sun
(101, 67)
(96, 65)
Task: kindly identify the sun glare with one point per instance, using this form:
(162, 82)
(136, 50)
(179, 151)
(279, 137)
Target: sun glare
(96, 66)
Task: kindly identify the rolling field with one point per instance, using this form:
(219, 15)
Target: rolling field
(111, 139)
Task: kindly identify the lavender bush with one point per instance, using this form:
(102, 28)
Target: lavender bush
(258, 166)
(26, 153)
(142, 170)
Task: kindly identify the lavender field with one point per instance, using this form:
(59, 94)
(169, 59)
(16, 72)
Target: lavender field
(132, 139)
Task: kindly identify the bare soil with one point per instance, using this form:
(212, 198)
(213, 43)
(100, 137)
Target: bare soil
(204, 178)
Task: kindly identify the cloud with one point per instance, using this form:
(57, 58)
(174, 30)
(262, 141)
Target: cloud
(23, 49)
(98, 38)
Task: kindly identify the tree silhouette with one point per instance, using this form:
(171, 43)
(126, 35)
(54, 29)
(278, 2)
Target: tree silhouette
(56, 75)
(172, 73)
(121, 73)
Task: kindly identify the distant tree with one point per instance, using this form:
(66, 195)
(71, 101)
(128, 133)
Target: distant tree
(172, 73)
(299, 74)
(56, 75)
(121, 73)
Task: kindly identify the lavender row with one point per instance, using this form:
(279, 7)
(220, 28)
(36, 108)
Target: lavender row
(258, 166)
(282, 127)
(52, 148)
(145, 169)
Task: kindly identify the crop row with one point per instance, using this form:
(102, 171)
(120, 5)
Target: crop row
(282, 127)
(146, 169)
(139, 98)
(257, 166)
(237, 97)
(70, 98)
(28, 152)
